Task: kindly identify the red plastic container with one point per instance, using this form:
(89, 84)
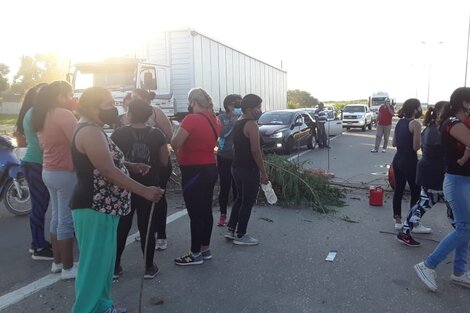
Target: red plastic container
(376, 196)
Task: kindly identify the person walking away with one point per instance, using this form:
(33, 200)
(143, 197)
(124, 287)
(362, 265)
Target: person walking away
(384, 125)
(320, 119)
(466, 156)
(147, 145)
(248, 170)
(225, 153)
(407, 140)
(55, 126)
(429, 175)
(101, 196)
(31, 164)
(194, 142)
(455, 137)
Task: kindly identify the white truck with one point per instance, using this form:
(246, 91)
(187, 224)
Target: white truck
(377, 99)
(357, 116)
(171, 63)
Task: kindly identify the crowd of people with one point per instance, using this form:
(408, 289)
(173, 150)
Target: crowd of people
(95, 182)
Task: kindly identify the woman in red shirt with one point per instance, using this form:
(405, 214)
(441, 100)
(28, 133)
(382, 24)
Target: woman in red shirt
(194, 142)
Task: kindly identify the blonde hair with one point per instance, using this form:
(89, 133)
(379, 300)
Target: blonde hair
(201, 97)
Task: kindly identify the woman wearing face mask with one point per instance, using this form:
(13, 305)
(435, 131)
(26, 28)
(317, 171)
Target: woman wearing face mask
(101, 196)
(455, 136)
(194, 142)
(407, 140)
(247, 169)
(225, 152)
(55, 126)
(122, 119)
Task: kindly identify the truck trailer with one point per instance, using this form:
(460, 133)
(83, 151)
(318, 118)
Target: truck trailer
(170, 63)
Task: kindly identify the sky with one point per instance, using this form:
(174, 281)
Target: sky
(334, 49)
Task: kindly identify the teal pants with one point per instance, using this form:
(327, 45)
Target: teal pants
(96, 234)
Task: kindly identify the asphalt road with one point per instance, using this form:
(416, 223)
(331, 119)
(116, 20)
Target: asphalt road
(287, 272)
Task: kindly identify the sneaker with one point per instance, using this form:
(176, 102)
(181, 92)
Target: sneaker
(161, 244)
(230, 235)
(70, 273)
(118, 272)
(43, 254)
(112, 309)
(222, 220)
(384, 150)
(420, 229)
(206, 255)
(32, 248)
(189, 259)
(137, 238)
(427, 276)
(407, 240)
(398, 226)
(374, 150)
(463, 280)
(56, 268)
(151, 272)
(246, 240)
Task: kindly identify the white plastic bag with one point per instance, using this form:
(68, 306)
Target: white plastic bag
(269, 193)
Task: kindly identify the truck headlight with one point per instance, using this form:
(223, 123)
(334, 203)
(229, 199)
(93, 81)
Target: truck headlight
(277, 135)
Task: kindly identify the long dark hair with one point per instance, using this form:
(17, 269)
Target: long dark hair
(144, 94)
(456, 103)
(408, 108)
(432, 113)
(47, 101)
(29, 101)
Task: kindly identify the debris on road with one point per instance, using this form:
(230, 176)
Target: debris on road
(331, 256)
(266, 219)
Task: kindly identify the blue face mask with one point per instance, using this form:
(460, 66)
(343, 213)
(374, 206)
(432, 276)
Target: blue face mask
(237, 111)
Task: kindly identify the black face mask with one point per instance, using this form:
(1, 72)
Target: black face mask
(190, 109)
(108, 116)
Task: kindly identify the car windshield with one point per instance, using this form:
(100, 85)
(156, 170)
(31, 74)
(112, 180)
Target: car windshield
(275, 118)
(354, 109)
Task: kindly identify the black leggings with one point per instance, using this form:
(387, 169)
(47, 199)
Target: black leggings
(247, 181)
(198, 189)
(142, 207)
(403, 176)
(224, 165)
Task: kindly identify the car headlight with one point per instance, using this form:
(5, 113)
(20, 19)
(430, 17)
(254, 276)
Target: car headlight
(277, 135)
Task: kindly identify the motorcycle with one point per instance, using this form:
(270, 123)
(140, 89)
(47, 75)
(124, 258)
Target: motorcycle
(14, 189)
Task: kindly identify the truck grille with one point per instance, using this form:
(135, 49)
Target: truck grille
(349, 117)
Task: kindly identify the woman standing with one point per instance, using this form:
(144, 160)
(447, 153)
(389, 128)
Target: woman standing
(248, 169)
(225, 153)
(141, 144)
(31, 165)
(429, 175)
(455, 137)
(407, 140)
(101, 195)
(55, 126)
(194, 142)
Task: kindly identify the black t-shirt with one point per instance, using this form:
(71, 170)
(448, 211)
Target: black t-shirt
(453, 149)
(124, 138)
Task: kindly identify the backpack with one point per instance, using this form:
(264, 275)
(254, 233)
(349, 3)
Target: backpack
(140, 151)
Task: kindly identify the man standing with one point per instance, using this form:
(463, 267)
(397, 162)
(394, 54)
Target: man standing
(384, 125)
(320, 119)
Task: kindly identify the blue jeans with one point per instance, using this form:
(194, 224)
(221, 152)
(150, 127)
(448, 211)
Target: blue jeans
(60, 185)
(456, 192)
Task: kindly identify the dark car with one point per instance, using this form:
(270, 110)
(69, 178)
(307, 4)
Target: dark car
(282, 130)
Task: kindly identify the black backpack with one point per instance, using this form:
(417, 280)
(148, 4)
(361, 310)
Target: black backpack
(140, 151)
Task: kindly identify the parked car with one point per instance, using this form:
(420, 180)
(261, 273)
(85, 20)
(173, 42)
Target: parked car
(357, 116)
(282, 130)
(333, 124)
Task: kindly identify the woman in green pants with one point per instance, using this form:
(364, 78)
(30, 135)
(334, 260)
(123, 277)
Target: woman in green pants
(101, 195)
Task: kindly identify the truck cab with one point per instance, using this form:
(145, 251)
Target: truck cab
(121, 75)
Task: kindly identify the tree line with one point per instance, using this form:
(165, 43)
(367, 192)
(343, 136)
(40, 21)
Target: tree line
(40, 68)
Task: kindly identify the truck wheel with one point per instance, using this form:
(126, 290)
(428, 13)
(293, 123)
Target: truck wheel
(312, 142)
(370, 126)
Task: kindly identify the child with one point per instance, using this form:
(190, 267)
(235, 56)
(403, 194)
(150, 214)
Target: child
(466, 155)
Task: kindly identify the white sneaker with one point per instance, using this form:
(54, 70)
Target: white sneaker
(161, 244)
(245, 241)
(56, 268)
(398, 226)
(420, 229)
(463, 280)
(384, 150)
(427, 276)
(69, 273)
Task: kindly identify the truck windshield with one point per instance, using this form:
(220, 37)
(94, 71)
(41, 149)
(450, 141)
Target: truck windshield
(111, 79)
(354, 109)
(378, 101)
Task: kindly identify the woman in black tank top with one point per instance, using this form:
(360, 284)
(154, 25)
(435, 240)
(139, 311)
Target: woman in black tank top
(247, 169)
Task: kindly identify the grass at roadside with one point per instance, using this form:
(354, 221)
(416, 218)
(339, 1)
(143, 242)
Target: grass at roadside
(7, 120)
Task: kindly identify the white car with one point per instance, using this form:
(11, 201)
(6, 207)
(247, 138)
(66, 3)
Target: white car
(357, 116)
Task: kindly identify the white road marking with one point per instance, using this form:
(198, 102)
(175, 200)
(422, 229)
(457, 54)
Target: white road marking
(24, 292)
(307, 151)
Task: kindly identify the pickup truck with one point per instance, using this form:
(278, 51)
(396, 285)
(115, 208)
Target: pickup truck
(357, 116)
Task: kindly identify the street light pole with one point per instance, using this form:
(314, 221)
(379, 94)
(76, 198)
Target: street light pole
(430, 66)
